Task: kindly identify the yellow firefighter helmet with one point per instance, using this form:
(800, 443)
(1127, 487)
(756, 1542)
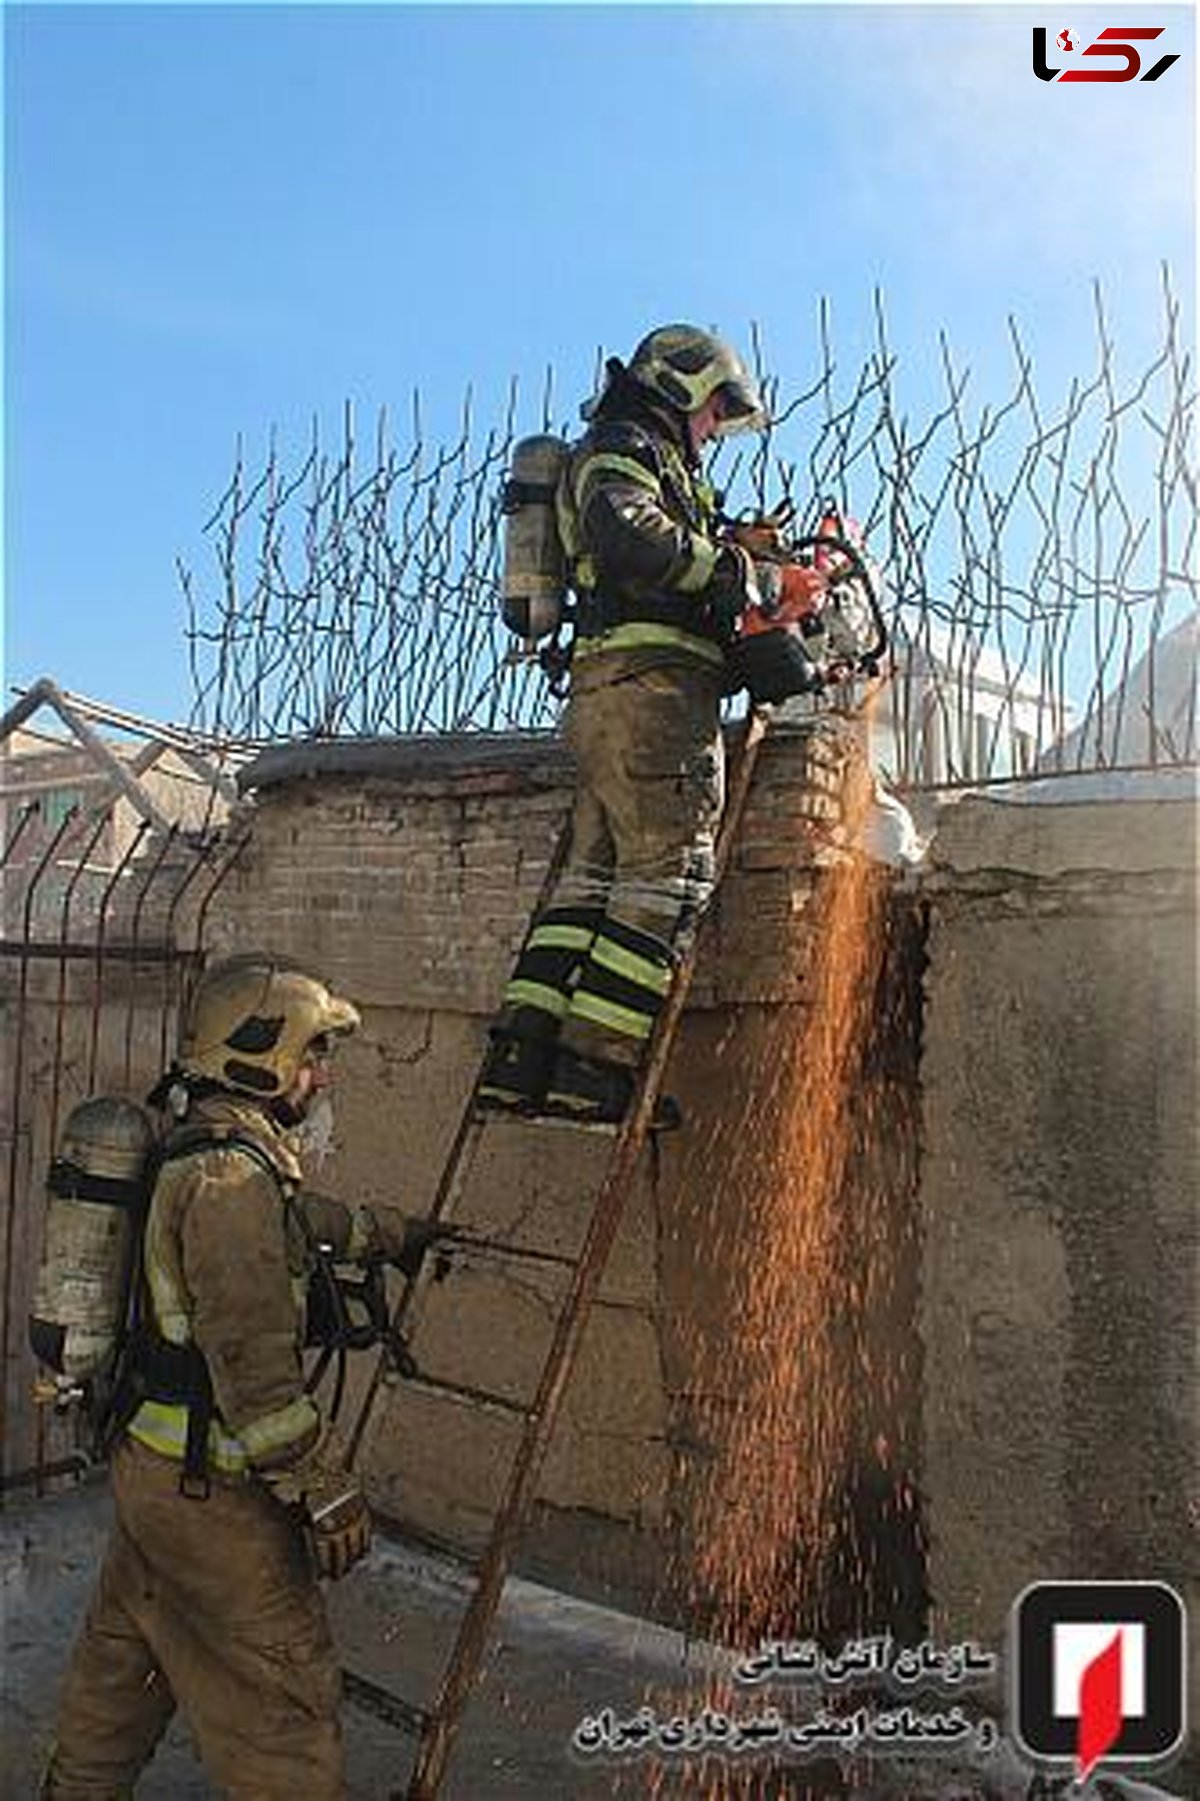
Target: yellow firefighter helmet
(685, 366)
(252, 1020)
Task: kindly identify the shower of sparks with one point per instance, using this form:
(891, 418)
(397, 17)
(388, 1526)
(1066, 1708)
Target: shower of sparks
(794, 1402)
(782, 1439)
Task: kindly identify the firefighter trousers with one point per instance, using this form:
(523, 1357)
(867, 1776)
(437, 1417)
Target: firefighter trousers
(650, 784)
(210, 1605)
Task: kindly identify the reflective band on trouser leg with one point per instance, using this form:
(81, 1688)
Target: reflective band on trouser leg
(545, 971)
(613, 1016)
(624, 982)
(533, 997)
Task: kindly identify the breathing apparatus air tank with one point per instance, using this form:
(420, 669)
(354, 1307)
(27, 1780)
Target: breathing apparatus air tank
(535, 563)
(96, 1195)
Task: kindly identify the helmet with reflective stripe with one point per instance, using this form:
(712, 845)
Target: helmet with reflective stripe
(253, 1020)
(684, 366)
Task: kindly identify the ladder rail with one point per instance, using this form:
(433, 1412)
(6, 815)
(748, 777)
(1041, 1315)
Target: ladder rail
(443, 1718)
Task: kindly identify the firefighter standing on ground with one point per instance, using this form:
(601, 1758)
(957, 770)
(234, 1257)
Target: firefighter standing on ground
(230, 1490)
(658, 595)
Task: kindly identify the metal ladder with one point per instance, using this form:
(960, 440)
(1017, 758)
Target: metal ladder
(437, 1725)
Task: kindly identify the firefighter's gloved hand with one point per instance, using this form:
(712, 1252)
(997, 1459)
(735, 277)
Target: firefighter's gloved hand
(329, 1502)
(731, 588)
(420, 1235)
(404, 1242)
(340, 1531)
(760, 536)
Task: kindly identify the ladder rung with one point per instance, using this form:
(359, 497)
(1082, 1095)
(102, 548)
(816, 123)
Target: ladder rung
(381, 1702)
(477, 1397)
(459, 1567)
(466, 1240)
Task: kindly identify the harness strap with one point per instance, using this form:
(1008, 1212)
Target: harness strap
(155, 1369)
(71, 1183)
(189, 1139)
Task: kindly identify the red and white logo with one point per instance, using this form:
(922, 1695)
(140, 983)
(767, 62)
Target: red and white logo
(1098, 1673)
(1115, 44)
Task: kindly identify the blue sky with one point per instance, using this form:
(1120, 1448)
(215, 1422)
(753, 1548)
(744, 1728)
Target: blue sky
(219, 219)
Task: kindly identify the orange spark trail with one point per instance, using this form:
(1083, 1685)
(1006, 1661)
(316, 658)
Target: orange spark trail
(776, 1382)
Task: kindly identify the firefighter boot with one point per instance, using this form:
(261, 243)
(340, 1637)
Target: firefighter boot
(516, 1073)
(593, 1093)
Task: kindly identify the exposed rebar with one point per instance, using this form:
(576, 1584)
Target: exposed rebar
(1037, 560)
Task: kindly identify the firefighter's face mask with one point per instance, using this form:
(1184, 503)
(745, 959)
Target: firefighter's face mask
(313, 1138)
(312, 1078)
(705, 423)
(728, 409)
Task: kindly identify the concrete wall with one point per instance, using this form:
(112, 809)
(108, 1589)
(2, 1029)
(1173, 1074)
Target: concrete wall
(1029, 1341)
(1059, 1203)
(407, 874)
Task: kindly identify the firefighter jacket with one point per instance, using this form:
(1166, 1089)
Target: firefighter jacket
(230, 1243)
(640, 528)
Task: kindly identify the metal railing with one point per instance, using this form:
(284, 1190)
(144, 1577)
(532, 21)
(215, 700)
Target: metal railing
(101, 933)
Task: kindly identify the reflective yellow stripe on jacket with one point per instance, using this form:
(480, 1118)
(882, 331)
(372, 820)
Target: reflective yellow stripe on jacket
(162, 1425)
(645, 634)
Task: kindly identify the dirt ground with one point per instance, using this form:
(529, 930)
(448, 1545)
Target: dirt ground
(554, 1662)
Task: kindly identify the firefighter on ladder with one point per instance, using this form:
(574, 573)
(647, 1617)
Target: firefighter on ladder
(659, 591)
(230, 1489)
